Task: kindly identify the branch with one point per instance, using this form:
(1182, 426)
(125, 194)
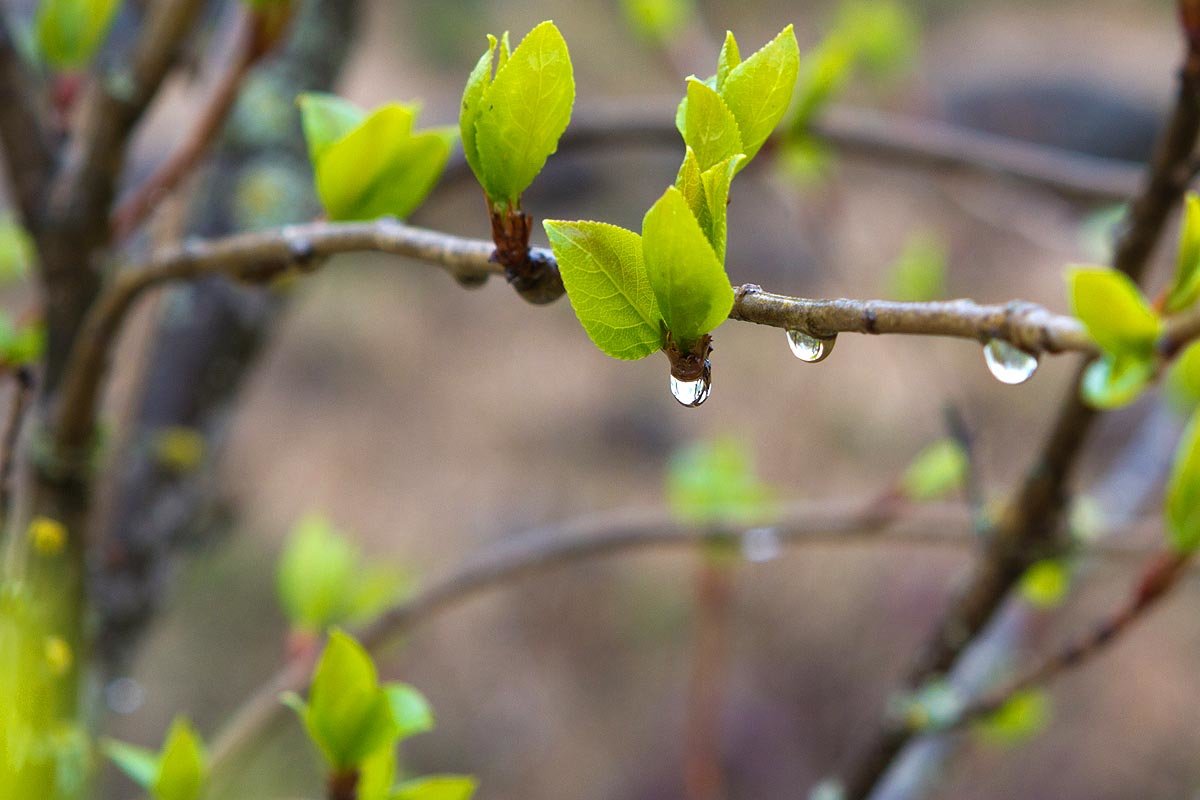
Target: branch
(27, 149)
(22, 394)
(1032, 520)
(262, 256)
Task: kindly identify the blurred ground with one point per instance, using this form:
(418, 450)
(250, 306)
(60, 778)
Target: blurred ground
(431, 420)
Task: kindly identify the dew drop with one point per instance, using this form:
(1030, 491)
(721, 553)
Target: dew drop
(692, 393)
(808, 348)
(1009, 363)
(760, 545)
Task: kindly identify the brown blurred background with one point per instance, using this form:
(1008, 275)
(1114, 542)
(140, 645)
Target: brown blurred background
(431, 421)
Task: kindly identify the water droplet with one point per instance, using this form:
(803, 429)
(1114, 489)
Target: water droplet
(808, 348)
(692, 393)
(760, 545)
(1009, 363)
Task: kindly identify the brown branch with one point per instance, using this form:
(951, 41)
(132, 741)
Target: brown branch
(22, 394)
(704, 777)
(1161, 576)
(134, 209)
(1031, 525)
(28, 151)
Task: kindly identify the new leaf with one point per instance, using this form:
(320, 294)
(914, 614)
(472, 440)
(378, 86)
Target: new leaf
(69, 32)
(1185, 288)
(1183, 491)
(759, 89)
(709, 127)
(1113, 310)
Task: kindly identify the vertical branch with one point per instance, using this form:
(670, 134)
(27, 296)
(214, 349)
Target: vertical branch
(704, 778)
(27, 148)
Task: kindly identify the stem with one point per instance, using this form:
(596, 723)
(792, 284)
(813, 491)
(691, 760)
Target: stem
(703, 775)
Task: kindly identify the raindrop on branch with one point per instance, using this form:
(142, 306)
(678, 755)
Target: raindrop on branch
(1009, 363)
(808, 348)
(692, 393)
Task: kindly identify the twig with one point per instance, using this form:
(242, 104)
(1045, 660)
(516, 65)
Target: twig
(1159, 578)
(22, 394)
(134, 210)
(1032, 520)
(704, 778)
(27, 147)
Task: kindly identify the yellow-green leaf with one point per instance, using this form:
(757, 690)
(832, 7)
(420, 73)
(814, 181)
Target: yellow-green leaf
(1183, 381)
(1185, 287)
(709, 127)
(182, 767)
(69, 32)
(1045, 584)
(1113, 310)
(436, 787)
(1183, 491)
(716, 181)
(728, 60)
(477, 82)
(938, 470)
(715, 483)
(602, 269)
(658, 20)
(1113, 381)
(689, 282)
(327, 118)
(759, 90)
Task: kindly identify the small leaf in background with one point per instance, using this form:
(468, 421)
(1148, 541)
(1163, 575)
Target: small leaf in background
(522, 113)
(436, 787)
(1183, 491)
(806, 160)
(1023, 717)
(139, 764)
(919, 274)
(1185, 286)
(325, 119)
(1045, 584)
(21, 345)
(1113, 310)
(48, 536)
(937, 471)
(658, 20)
(178, 448)
(410, 709)
(69, 32)
(323, 581)
(1113, 381)
(709, 127)
(378, 168)
(1183, 380)
(182, 767)
(883, 34)
(759, 90)
(1098, 233)
(693, 292)
(16, 251)
(606, 282)
(377, 775)
(823, 73)
(715, 483)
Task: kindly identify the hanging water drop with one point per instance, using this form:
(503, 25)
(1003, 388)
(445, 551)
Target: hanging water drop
(808, 348)
(693, 393)
(1009, 363)
(760, 545)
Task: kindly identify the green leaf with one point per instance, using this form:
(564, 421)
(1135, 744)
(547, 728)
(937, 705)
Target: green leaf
(937, 471)
(690, 183)
(16, 251)
(410, 710)
(348, 715)
(716, 182)
(183, 766)
(69, 32)
(709, 127)
(606, 282)
(1183, 491)
(437, 787)
(919, 274)
(1113, 381)
(316, 574)
(378, 775)
(1185, 287)
(381, 168)
(1183, 381)
(715, 483)
(523, 112)
(140, 764)
(759, 90)
(658, 20)
(1113, 310)
(823, 73)
(326, 118)
(689, 282)
(472, 101)
(1045, 584)
(728, 60)
(376, 588)
(883, 34)
(1025, 715)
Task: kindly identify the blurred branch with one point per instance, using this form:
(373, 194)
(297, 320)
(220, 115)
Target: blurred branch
(28, 150)
(1161, 576)
(703, 773)
(22, 394)
(1030, 527)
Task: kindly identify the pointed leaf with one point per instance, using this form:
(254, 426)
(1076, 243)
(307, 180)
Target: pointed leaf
(690, 183)
(717, 181)
(1185, 288)
(1183, 382)
(183, 767)
(709, 127)
(1113, 381)
(602, 269)
(410, 709)
(326, 118)
(823, 73)
(729, 58)
(759, 89)
(692, 289)
(938, 470)
(658, 20)
(377, 775)
(436, 787)
(316, 575)
(138, 763)
(477, 82)
(524, 112)
(348, 715)
(1113, 310)
(715, 482)
(69, 32)
(1183, 491)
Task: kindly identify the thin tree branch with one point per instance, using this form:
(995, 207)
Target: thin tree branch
(22, 394)
(703, 773)
(28, 151)
(1031, 524)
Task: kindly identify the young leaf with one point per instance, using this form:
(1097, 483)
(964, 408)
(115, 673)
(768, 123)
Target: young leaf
(716, 182)
(1045, 584)
(709, 127)
(377, 775)
(883, 33)
(689, 282)
(728, 60)
(410, 709)
(1185, 288)
(472, 102)
(436, 787)
(1183, 491)
(1183, 381)
(919, 274)
(606, 282)
(715, 483)
(759, 89)
(1113, 381)
(822, 75)
(325, 119)
(523, 112)
(1113, 310)
(182, 768)
(316, 574)
(138, 763)
(1024, 716)
(69, 32)
(938, 470)
(658, 20)
(690, 183)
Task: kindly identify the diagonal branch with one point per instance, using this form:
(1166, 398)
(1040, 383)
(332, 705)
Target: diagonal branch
(27, 148)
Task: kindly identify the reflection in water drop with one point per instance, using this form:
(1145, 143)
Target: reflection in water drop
(1008, 363)
(693, 393)
(808, 348)
(760, 545)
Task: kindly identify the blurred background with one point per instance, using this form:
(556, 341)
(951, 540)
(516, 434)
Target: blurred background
(428, 422)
